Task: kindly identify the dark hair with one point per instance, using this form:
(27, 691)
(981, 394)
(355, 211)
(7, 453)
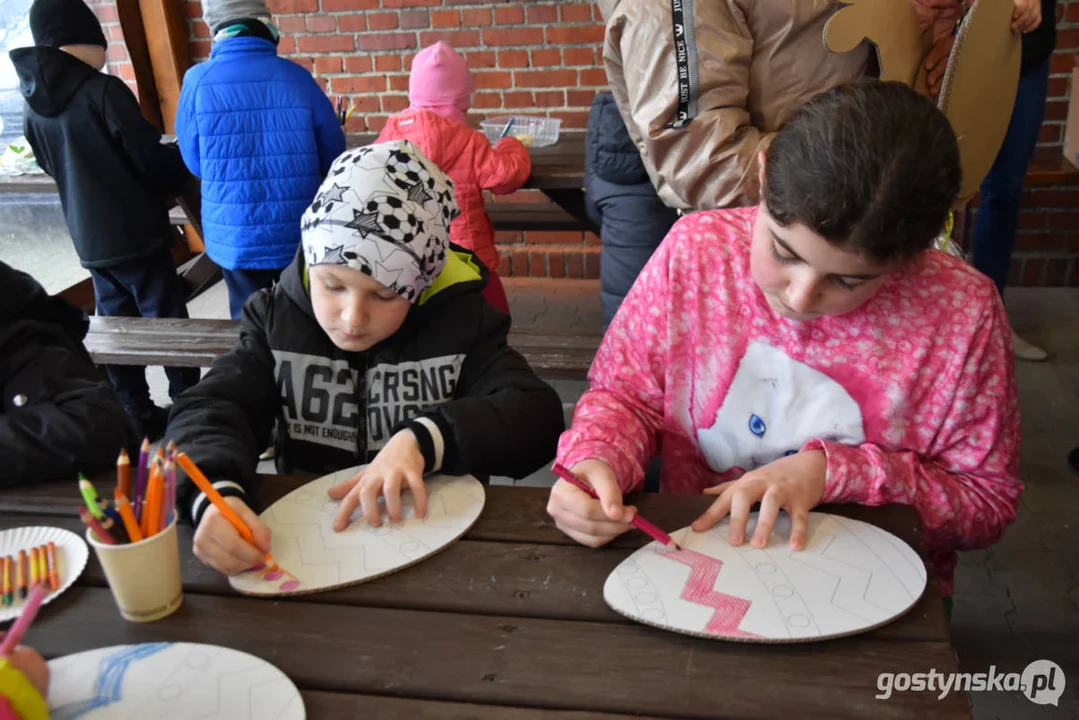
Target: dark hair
(873, 167)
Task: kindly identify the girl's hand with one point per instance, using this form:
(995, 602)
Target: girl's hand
(398, 464)
(936, 62)
(587, 520)
(29, 662)
(794, 483)
(219, 544)
(1026, 16)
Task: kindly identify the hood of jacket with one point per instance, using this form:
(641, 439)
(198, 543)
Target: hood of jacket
(23, 298)
(49, 78)
(446, 139)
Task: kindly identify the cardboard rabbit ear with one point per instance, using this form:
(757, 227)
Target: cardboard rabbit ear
(980, 81)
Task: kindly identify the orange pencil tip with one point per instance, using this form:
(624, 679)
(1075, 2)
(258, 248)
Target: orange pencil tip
(123, 457)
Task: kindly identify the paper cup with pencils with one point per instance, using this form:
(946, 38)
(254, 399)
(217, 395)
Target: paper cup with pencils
(135, 538)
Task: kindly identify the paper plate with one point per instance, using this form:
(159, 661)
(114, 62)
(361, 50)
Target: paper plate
(851, 577)
(176, 681)
(71, 556)
(305, 544)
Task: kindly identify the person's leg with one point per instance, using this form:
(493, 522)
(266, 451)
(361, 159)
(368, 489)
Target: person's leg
(242, 284)
(113, 299)
(159, 293)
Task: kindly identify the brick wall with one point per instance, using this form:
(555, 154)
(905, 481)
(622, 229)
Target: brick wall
(545, 57)
(117, 61)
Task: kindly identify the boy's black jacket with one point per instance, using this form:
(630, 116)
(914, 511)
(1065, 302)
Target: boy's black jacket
(111, 169)
(329, 409)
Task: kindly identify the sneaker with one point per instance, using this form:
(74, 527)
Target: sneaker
(152, 423)
(1025, 351)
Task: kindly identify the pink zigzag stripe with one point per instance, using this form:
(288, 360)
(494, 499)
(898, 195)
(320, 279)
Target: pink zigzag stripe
(700, 589)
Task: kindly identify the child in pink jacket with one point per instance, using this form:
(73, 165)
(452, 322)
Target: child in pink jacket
(812, 349)
(440, 93)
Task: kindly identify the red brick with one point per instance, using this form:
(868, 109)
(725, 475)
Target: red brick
(1067, 39)
(352, 23)
(572, 119)
(487, 101)
(365, 104)
(576, 13)
(493, 80)
(509, 16)
(575, 265)
(554, 237)
(359, 84)
(1056, 110)
(1062, 220)
(193, 9)
(1071, 14)
(453, 38)
(386, 41)
(546, 78)
(590, 238)
(326, 43)
(513, 58)
(201, 48)
(127, 72)
(398, 82)
(1061, 62)
(591, 266)
(594, 78)
(1032, 271)
(289, 24)
(504, 265)
(575, 34)
(321, 23)
(556, 265)
(1058, 87)
(327, 65)
(1032, 220)
(394, 103)
(550, 98)
(578, 56)
(579, 98)
(445, 18)
(596, 14)
(356, 124)
(415, 19)
(542, 14)
(410, 3)
(537, 264)
(383, 21)
(406, 60)
(478, 59)
(308, 64)
(507, 237)
(1039, 241)
(1060, 198)
(546, 58)
(116, 53)
(1056, 272)
(476, 17)
(199, 29)
(348, 5)
(1050, 134)
(358, 64)
(292, 7)
(520, 263)
(375, 123)
(106, 13)
(388, 63)
(517, 99)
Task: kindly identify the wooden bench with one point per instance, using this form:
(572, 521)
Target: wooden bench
(196, 342)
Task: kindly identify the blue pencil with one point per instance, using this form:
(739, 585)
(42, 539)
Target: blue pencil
(506, 130)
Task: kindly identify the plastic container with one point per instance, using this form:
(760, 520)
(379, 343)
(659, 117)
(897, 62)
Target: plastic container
(533, 131)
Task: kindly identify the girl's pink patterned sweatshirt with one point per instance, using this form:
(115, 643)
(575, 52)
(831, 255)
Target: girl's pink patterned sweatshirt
(911, 396)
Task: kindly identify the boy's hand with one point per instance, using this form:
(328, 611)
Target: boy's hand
(29, 662)
(794, 483)
(587, 520)
(219, 544)
(1026, 16)
(397, 465)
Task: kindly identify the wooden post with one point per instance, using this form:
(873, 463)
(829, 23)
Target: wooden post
(170, 57)
(135, 39)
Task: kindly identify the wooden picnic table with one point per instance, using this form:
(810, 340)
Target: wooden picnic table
(508, 622)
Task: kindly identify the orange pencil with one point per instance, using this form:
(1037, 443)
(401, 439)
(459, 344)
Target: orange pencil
(34, 565)
(43, 566)
(54, 568)
(151, 509)
(7, 589)
(123, 472)
(123, 506)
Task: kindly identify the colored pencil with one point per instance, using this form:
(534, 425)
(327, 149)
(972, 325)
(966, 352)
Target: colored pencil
(638, 522)
(42, 566)
(168, 474)
(8, 589)
(506, 129)
(123, 472)
(224, 508)
(19, 627)
(54, 567)
(91, 522)
(151, 511)
(89, 494)
(123, 506)
(34, 565)
(142, 475)
(22, 573)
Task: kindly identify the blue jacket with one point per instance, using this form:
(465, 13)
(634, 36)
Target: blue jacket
(261, 134)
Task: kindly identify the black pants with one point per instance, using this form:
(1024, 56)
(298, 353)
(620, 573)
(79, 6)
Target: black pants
(242, 284)
(148, 287)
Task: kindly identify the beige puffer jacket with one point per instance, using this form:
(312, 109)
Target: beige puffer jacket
(747, 64)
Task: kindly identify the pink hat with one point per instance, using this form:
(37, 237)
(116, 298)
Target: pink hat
(440, 80)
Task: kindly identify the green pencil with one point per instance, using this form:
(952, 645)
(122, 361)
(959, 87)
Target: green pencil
(89, 494)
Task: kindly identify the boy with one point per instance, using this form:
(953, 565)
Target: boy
(262, 138)
(376, 346)
(113, 175)
(58, 415)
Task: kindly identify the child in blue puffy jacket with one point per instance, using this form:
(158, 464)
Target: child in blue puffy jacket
(261, 134)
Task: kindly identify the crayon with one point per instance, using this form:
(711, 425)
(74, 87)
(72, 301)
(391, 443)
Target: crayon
(34, 566)
(7, 589)
(22, 573)
(54, 567)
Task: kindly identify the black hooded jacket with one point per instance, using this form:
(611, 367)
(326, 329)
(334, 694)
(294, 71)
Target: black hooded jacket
(112, 171)
(58, 414)
(329, 409)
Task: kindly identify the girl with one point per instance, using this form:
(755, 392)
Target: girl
(439, 94)
(812, 349)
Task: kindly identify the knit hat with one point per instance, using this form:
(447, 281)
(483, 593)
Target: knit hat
(440, 80)
(56, 23)
(384, 210)
(218, 12)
